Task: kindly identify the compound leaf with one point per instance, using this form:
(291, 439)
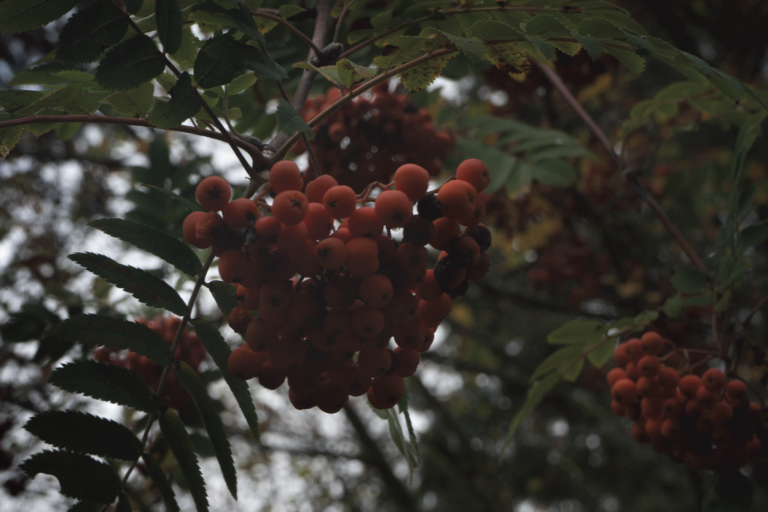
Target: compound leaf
(161, 482)
(130, 63)
(80, 432)
(90, 31)
(81, 477)
(20, 15)
(184, 103)
(178, 440)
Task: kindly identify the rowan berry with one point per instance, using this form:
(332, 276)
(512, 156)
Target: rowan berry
(736, 392)
(330, 253)
(235, 266)
(407, 361)
(365, 222)
(651, 407)
(649, 365)
(292, 238)
(330, 397)
(285, 175)
(243, 363)
(670, 428)
(652, 343)
(614, 375)
(367, 321)
(412, 180)
(362, 256)
(240, 213)
(270, 377)
(475, 172)
(301, 401)
(434, 312)
(479, 234)
(429, 207)
(714, 380)
(376, 290)
(189, 230)
(720, 412)
(388, 389)
(669, 378)
(457, 199)
(624, 392)
(260, 335)
(340, 201)
(374, 362)
(290, 207)
(394, 208)
(213, 193)
(317, 188)
(706, 397)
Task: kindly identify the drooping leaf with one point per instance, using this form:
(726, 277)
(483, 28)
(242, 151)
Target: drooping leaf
(90, 31)
(559, 359)
(100, 330)
(9, 137)
(212, 421)
(130, 63)
(330, 73)
(287, 10)
(161, 482)
(289, 121)
(133, 6)
(211, 71)
(402, 406)
(184, 103)
(689, 279)
(21, 15)
(556, 172)
(215, 345)
(600, 355)
(239, 18)
(536, 394)
(240, 83)
(61, 98)
(145, 287)
(578, 332)
(182, 201)
(133, 103)
(169, 20)
(80, 432)
(632, 60)
(80, 476)
(472, 47)
(177, 438)
(165, 247)
(351, 73)
(106, 382)
(246, 57)
(14, 99)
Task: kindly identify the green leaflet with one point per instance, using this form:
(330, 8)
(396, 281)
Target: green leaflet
(186, 203)
(402, 406)
(165, 247)
(79, 432)
(241, 19)
(169, 20)
(211, 71)
(579, 332)
(184, 103)
(247, 57)
(175, 434)
(20, 15)
(133, 103)
(213, 425)
(80, 476)
(161, 482)
(106, 382)
(62, 98)
(289, 121)
(130, 63)
(98, 330)
(90, 31)
(690, 280)
(144, 286)
(215, 345)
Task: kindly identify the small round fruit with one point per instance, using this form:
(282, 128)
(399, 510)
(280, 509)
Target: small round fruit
(213, 193)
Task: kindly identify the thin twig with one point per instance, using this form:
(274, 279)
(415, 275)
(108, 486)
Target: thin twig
(252, 150)
(340, 20)
(603, 139)
(286, 24)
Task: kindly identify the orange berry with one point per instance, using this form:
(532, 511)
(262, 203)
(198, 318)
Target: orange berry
(330, 397)
(330, 253)
(290, 207)
(365, 222)
(706, 397)
(292, 238)
(458, 199)
(474, 172)
(619, 409)
(736, 392)
(362, 256)
(340, 201)
(376, 290)
(446, 230)
(649, 365)
(407, 362)
(367, 321)
(412, 180)
(213, 193)
(317, 188)
(189, 229)
(388, 389)
(235, 267)
(648, 387)
(374, 362)
(624, 392)
(243, 363)
(434, 312)
(714, 380)
(247, 298)
(668, 378)
(670, 428)
(241, 213)
(336, 132)
(270, 377)
(689, 385)
(614, 375)
(720, 412)
(652, 343)
(394, 208)
(260, 335)
(318, 221)
(285, 175)
(651, 407)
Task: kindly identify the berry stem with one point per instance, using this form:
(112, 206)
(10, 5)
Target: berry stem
(553, 77)
(277, 19)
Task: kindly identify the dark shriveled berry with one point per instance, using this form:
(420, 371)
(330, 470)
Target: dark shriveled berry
(429, 207)
(445, 270)
(481, 235)
(418, 231)
(460, 290)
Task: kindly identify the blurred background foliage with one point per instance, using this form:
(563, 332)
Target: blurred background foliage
(587, 248)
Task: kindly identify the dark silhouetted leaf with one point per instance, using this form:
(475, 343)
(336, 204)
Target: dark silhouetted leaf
(90, 31)
(20, 15)
(177, 438)
(169, 19)
(215, 345)
(289, 121)
(147, 288)
(80, 476)
(79, 432)
(161, 482)
(106, 382)
(130, 63)
(184, 103)
(165, 247)
(212, 421)
(98, 330)
(186, 203)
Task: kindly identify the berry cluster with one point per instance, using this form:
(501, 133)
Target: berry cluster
(369, 136)
(327, 283)
(189, 350)
(705, 421)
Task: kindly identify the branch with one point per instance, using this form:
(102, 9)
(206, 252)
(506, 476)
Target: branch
(252, 150)
(341, 19)
(308, 77)
(753, 311)
(290, 27)
(603, 139)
